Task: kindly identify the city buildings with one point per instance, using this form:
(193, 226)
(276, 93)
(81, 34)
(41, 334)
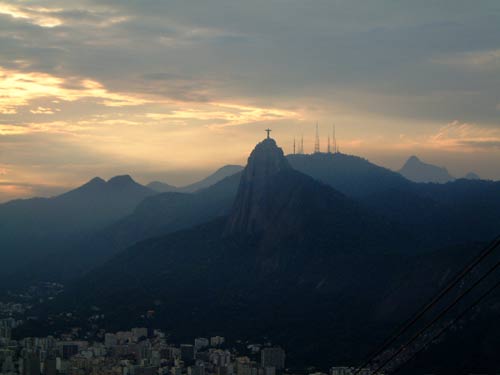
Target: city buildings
(133, 352)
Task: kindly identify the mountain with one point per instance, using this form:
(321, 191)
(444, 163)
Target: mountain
(287, 259)
(290, 245)
(161, 187)
(252, 211)
(294, 262)
(218, 175)
(156, 215)
(351, 175)
(215, 177)
(441, 215)
(33, 228)
(165, 213)
(435, 215)
(472, 176)
(416, 170)
(276, 202)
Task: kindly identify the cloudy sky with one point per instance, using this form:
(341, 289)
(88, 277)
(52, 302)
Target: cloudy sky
(172, 89)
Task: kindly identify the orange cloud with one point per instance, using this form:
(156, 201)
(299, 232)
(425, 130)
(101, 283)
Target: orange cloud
(15, 190)
(44, 111)
(61, 127)
(36, 15)
(456, 137)
(18, 89)
(219, 115)
(12, 130)
(466, 137)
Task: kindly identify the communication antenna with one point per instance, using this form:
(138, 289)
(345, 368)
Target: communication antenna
(316, 143)
(335, 149)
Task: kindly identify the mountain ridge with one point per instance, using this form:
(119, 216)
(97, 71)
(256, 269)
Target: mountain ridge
(59, 222)
(211, 179)
(417, 171)
(331, 268)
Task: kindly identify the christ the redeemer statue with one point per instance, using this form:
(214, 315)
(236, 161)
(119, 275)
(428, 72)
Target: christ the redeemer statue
(268, 131)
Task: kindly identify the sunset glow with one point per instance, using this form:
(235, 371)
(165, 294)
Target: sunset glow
(114, 87)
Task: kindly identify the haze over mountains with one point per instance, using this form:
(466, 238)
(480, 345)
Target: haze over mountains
(416, 170)
(32, 228)
(293, 256)
(287, 238)
(213, 178)
(324, 241)
(437, 214)
(81, 228)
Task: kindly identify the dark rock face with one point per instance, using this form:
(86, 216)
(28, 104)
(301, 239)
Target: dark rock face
(251, 211)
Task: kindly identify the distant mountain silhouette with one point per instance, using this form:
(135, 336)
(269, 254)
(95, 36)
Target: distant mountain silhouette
(306, 243)
(351, 175)
(472, 176)
(33, 228)
(156, 215)
(161, 187)
(164, 213)
(348, 251)
(215, 177)
(443, 214)
(416, 170)
(435, 215)
(276, 202)
(218, 175)
(295, 261)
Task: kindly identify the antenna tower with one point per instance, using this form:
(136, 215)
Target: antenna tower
(316, 143)
(335, 149)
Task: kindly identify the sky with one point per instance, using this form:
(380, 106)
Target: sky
(171, 90)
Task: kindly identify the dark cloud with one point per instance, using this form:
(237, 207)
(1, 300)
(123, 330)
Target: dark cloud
(275, 49)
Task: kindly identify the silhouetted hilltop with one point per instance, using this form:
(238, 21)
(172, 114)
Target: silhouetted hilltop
(161, 187)
(416, 170)
(351, 175)
(251, 212)
(215, 177)
(278, 204)
(293, 256)
(218, 175)
(435, 215)
(155, 216)
(472, 176)
(32, 228)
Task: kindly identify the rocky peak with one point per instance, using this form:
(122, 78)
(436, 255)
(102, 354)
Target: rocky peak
(121, 181)
(250, 213)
